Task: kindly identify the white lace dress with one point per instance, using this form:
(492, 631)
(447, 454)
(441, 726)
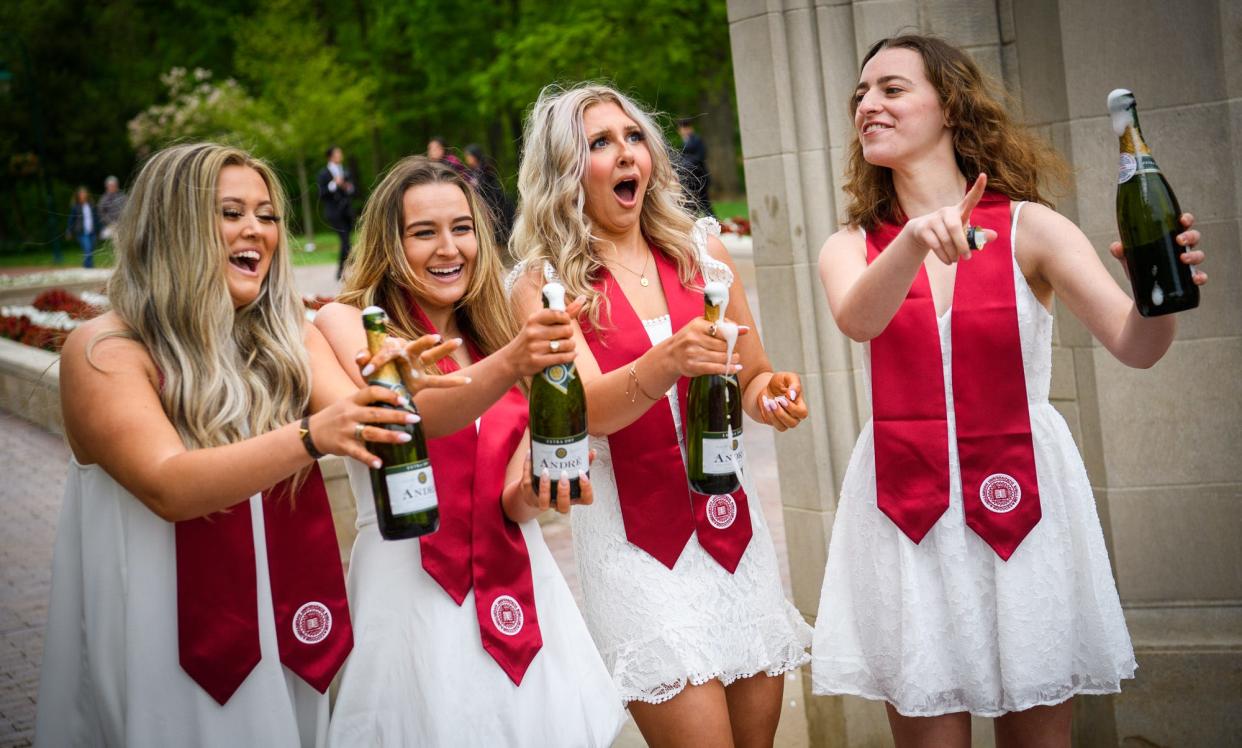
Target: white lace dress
(947, 626)
(659, 629)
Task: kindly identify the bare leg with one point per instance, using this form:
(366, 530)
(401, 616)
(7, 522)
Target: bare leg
(945, 731)
(1037, 727)
(698, 717)
(755, 709)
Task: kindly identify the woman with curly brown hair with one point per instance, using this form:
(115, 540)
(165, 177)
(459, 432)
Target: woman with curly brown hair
(967, 572)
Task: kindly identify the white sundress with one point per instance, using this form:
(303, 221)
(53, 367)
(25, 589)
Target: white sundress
(946, 625)
(660, 629)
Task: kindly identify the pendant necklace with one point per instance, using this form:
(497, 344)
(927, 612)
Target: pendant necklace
(642, 277)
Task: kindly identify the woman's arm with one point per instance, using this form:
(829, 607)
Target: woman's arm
(864, 298)
(114, 418)
(1064, 259)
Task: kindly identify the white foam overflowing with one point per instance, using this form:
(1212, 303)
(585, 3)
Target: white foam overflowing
(1120, 100)
(554, 293)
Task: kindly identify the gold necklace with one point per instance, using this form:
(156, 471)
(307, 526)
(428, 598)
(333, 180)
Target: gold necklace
(642, 277)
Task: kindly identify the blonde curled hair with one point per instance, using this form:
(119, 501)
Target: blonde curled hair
(228, 374)
(552, 224)
(379, 274)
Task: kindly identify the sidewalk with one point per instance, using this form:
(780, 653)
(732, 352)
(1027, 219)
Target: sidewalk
(35, 462)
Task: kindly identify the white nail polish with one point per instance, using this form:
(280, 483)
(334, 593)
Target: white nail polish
(564, 475)
(403, 400)
(412, 418)
(376, 464)
(581, 476)
(403, 437)
(543, 473)
(368, 370)
(793, 394)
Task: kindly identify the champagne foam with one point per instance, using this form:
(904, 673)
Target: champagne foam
(1120, 100)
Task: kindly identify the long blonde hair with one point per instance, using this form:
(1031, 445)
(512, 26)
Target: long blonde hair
(985, 138)
(552, 224)
(379, 274)
(228, 374)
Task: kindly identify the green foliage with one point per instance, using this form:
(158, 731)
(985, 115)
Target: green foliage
(288, 78)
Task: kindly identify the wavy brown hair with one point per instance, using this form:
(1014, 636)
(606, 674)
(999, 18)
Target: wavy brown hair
(985, 138)
(378, 273)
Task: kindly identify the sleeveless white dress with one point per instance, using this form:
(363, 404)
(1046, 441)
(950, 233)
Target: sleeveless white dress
(946, 625)
(111, 674)
(419, 676)
(660, 629)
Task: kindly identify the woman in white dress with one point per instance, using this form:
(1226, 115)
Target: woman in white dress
(682, 591)
(990, 592)
(187, 606)
(446, 652)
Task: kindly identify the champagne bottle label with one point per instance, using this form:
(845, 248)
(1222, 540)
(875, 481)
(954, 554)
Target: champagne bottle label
(569, 454)
(559, 376)
(722, 452)
(1129, 165)
(411, 487)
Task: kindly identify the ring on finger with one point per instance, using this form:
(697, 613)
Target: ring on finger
(358, 429)
(712, 330)
(975, 238)
(554, 345)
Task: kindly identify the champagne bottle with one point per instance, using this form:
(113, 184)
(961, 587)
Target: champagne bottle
(1147, 219)
(405, 491)
(558, 417)
(714, 410)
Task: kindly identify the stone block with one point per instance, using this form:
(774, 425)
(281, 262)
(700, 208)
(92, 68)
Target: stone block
(966, 23)
(1069, 411)
(866, 723)
(1041, 67)
(1011, 70)
(1231, 46)
(775, 207)
(1177, 424)
(784, 331)
(1094, 157)
(1062, 375)
(1088, 382)
(818, 213)
(843, 423)
(1191, 144)
(877, 19)
(1177, 542)
(1170, 53)
(806, 537)
(804, 455)
(838, 69)
(741, 10)
(758, 91)
(988, 58)
(806, 86)
(1182, 698)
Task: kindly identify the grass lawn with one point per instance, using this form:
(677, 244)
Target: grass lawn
(326, 246)
(730, 209)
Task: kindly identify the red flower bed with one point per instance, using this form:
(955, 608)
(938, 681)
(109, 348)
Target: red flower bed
(60, 300)
(26, 332)
(739, 225)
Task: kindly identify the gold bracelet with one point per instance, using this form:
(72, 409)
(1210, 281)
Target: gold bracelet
(637, 387)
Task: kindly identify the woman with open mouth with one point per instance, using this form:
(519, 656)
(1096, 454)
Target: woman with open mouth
(684, 602)
(197, 595)
(469, 635)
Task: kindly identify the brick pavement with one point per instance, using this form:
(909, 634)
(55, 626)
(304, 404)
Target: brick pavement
(33, 464)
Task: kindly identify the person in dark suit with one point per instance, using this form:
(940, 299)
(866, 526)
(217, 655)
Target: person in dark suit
(84, 224)
(336, 191)
(694, 163)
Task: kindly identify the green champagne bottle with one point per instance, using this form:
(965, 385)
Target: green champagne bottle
(714, 410)
(1147, 219)
(558, 417)
(405, 491)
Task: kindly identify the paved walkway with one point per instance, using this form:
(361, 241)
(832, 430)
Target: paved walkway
(34, 464)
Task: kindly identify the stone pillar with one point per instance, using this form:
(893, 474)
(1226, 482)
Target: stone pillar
(1161, 446)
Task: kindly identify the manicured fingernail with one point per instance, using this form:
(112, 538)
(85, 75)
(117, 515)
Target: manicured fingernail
(376, 463)
(737, 367)
(403, 437)
(793, 394)
(468, 380)
(403, 400)
(438, 337)
(361, 355)
(368, 370)
(769, 403)
(544, 474)
(456, 341)
(564, 476)
(581, 476)
(743, 327)
(412, 418)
